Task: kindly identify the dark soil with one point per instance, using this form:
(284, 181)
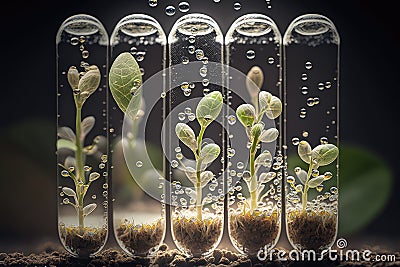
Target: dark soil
(197, 236)
(253, 231)
(140, 240)
(312, 230)
(83, 242)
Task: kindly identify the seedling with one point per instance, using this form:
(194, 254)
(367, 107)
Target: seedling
(207, 111)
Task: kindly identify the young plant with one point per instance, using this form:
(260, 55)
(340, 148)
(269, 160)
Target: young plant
(207, 110)
(74, 167)
(321, 155)
(250, 117)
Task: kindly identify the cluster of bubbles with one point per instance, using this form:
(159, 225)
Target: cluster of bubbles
(295, 140)
(269, 5)
(170, 10)
(186, 114)
(81, 42)
(139, 55)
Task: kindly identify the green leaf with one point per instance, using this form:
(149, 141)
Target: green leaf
(264, 99)
(73, 77)
(209, 153)
(314, 182)
(266, 177)
(205, 177)
(191, 175)
(209, 108)
(89, 209)
(87, 125)
(69, 192)
(89, 83)
(264, 159)
(274, 109)
(125, 80)
(67, 134)
(246, 114)
(269, 135)
(94, 176)
(186, 135)
(324, 154)
(301, 174)
(256, 130)
(254, 80)
(304, 151)
(62, 143)
(365, 186)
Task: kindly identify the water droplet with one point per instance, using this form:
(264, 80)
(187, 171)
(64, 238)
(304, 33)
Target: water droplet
(133, 50)
(304, 90)
(181, 116)
(178, 149)
(102, 166)
(290, 179)
(315, 173)
(327, 175)
(87, 168)
(191, 117)
(231, 119)
(170, 10)
(271, 60)
(64, 173)
(188, 110)
(199, 54)
(246, 176)
(321, 86)
(231, 152)
(308, 65)
(328, 85)
(153, 3)
(184, 85)
(237, 6)
(232, 173)
(205, 60)
(205, 82)
(82, 39)
(323, 140)
(179, 156)
(316, 100)
(140, 56)
(191, 49)
(74, 40)
(85, 54)
(250, 54)
(206, 91)
(185, 60)
(320, 187)
(305, 134)
(184, 7)
(334, 190)
(192, 85)
(304, 76)
(111, 130)
(187, 92)
(174, 164)
(192, 39)
(295, 141)
(94, 197)
(203, 71)
(163, 94)
(141, 71)
(240, 165)
(139, 164)
(310, 102)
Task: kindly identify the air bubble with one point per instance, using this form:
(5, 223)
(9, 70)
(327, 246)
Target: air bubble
(203, 71)
(139, 164)
(65, 201)
(304, 90)
(184, 85)
(74, 40)
(323, 140)
(192, 39)
(85, 54)
(250, 54)
(187, 92)
(82, 39)
(321, 86)
(231, 152)
(240, 165)
(328, 85)
(304, 76)
(178, 149)
(310, 102)
(184, 7)
(174, 164)
(290, 179)
(231, 119)
(327, 175)
(170, 10)
(191, 49)
(205, 82)
(87, 168)
(334, 190)
(316, 100)
(94, 197)
(305, 134)
(179, 156)
(205, 60)
(295, 141)
(246, 176)
(163, 95)
(133, 50)
(308, 65)
(315, 173)
(185, 60)
(140, 56)
(191, 116)
(199, 54)
(153, 3)
(206, 91)
(271, 60)
(64, 173)
(319, 188)
(237, 6)
(181, 116)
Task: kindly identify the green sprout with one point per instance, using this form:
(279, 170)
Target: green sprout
(321, 155)
(74, 167)
(251, 115)
(207, 111)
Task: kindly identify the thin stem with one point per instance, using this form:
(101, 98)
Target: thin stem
(80, 178)
(198, 173)
(304, 194)
(253, 181)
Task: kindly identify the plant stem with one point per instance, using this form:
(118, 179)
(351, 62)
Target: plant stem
(198, 173)
(79, 166)
(304, 194)
(253, 181)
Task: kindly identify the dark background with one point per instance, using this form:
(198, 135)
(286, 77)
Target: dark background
(369, 87)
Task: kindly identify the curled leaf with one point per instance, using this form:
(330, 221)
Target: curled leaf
(266, 177)
(314, 182)
(264, 159)
(87, 125)
(269, 135)
(209, 153)
(69, 192)
(324, 154)
(209, 108)
(62, 143)
(186, 135)
(89, 83)
(256, 130)
(73, 77)
(89, 209)
(205, 177)
(304, 151)
(301, 174)
(254, 80)
(264, 100)
(246, 114)
(94, 176)
(274, 108)
(67, 134)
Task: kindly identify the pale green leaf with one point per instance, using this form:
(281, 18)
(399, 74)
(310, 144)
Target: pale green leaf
(87, 125)
(269, 135)
(274, 108)
(63, 143)
(324, 154)
(94, 176)
(89, 83)
(254, 80)
(256, 130)
(209, 108)
(266, 177)
(246, 114)
(314, 182)
(186, 135)
(69, 192)
(209, 153)
(67, 134)
(301, 174)
(206, 177)
(304, 151)
(89, 209)
(264, 99)
(264, 159)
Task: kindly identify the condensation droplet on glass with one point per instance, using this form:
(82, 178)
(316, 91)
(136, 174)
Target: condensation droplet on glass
(310, 102)
(174, 164)
(139, 164)
(250, 54)
(231, 119)
(188, 110)
(321, 86)
(85, 54)
(316, 100)
(184, 85)
(231, 152)
(133, 50)
(192, 39)
(323, 140)
(153, 3)
(304, 76)
(163, 95)
(205, 82)
(170, 10)
(199, 54)
(308, 65)
(187, 92)
(305, 134)
(203, 71)
(271, 60)
(105, 186)
(94, 197)
(179, 156)
(181, 116)
(191, 116)
(184, 7)
(237, 6)
(328, 84)
(74, 40)
(178, 149)
(240, 165)
(192, 85)
(205, 60)
(191, 49)
(82, 39)
(185, 60)
(295, 141)
(206, 91)
(304, 90)
(140, 56)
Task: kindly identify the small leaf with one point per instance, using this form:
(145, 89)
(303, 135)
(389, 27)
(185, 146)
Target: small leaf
(191, 175)
(314, 182)
(89, 209)
(264, 99)
(266, 177)
(94, 176)
(209, 153)
(256, 131)
(134, 107)
(125, 79)
(89, 83)
(69, 192)
(205, 177)
(264, 159)
(209, 108)
(254, 80)
(301, 174)
(73, 77)
(69, 162)
(274, 108)
(269, 135)
(324, 154)
(87, 125)
(304, 151)
(67, 134)
(62, 143)
(186, 135)
(246, 114)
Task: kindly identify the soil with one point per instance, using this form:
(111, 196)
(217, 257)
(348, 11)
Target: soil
(312, 230)
(252, 231)
(139, 240)
(83, 242)
(197, 236)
